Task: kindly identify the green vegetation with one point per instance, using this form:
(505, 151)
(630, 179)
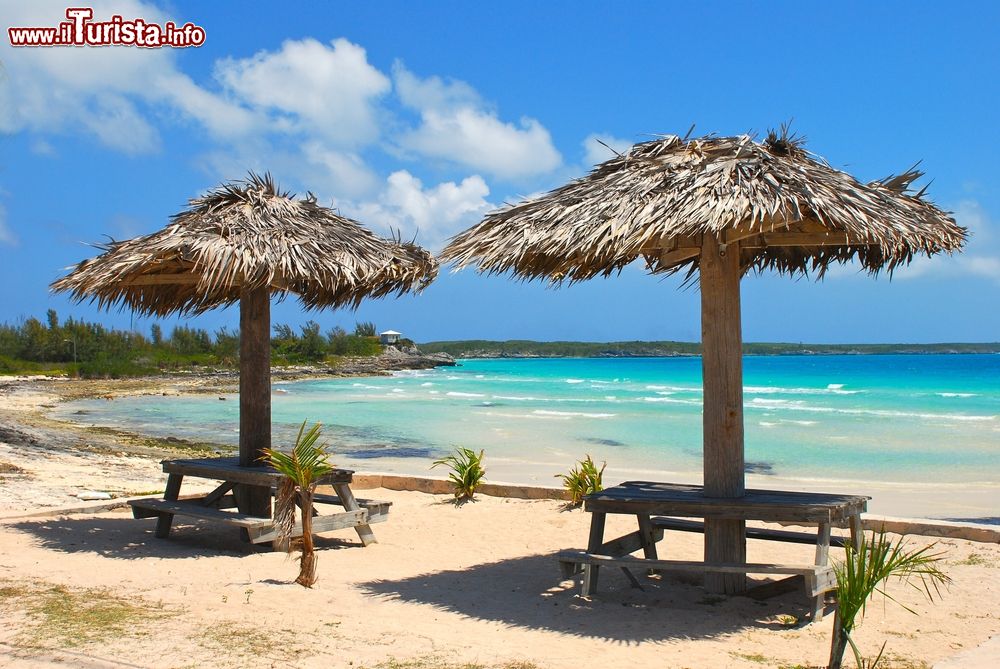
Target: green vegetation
(865, 570)
(65, 617)
(516, 348)
(303, 467)
(93, 351)
(584, 478)
(466, 472)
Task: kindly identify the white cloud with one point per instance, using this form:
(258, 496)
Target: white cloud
(343, 174)
(103, 91)
(980, 258)
(328, 90)
(595, 152)
(432, 214)
(455, 126)
(42, 148)
(6, 235)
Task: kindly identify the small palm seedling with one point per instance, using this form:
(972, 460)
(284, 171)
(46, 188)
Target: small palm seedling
(865, 570)
(466, 472)
(583, 479)
(303, 467)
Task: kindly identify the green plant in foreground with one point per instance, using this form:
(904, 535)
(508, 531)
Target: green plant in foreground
(583, 479)
(865, 570)
(303, 467)
(466, 472)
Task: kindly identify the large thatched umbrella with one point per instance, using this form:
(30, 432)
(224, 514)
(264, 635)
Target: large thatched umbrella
(239, 244)
(717, 208)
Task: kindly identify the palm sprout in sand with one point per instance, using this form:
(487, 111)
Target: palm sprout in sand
(303, 467)
(866, 570)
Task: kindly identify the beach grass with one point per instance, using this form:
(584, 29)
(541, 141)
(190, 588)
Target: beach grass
(436, 662)
(66, 617)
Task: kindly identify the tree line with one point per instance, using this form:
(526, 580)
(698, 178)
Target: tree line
(91, 349)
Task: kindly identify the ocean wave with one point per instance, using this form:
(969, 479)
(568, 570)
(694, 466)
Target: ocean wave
(580, 414)
(426, 384)
(956, 394)
(457, 394)
(671, 400)
(786, 405)
(831, 389)
(574, 380)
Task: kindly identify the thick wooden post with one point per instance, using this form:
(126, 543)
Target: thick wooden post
(255, 394)
(722, 369)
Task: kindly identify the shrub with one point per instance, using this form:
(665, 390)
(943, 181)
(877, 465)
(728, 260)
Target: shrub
(583, 479)
(466, 472)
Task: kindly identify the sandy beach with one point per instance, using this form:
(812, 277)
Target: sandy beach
(475, 586)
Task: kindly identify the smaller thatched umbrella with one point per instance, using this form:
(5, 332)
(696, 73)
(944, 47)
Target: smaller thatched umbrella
(717, 208)
(239, 244)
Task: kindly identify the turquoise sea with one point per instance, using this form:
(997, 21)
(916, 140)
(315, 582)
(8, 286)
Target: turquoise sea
(828, 422)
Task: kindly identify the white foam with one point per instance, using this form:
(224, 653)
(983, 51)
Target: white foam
(834, 386)
(426, 384)
(956, 394)
(581, 414)
(574, 380)
(670, 400)
(456, 394)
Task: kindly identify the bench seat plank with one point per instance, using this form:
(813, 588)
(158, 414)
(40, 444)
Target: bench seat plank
(819, 579)
(683, 525)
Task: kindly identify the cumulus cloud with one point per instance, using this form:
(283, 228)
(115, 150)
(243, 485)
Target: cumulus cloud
(104, 92)
(329, 90)
(456, 126)
(312, 113)
(432, 214)
(597, 152)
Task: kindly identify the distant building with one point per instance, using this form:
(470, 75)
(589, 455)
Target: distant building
(389, 336)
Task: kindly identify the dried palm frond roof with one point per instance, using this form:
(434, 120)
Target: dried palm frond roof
(245, 235)
(788, 209)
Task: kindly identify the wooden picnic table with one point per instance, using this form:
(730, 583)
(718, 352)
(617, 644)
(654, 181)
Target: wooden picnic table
(664, 506)
(235, 482)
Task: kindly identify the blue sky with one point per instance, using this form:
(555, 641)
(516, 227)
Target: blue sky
(423, 116)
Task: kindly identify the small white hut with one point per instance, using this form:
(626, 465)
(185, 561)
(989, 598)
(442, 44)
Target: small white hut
(389, 337)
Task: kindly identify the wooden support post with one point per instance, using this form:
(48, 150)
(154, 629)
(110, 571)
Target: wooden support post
(722, 370)
(255, 394)
(822, 559)
(590, 571)
(349, 503)
(172, 492)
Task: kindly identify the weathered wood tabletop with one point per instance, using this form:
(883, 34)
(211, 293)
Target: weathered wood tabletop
(674, 499)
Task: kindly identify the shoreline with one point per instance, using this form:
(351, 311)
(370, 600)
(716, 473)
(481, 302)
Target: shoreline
(26, 404)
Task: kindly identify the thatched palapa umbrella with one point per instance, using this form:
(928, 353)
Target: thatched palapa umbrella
(717, 208)
(241, 243)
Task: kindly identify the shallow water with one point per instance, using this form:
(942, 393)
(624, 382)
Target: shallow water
(892, 420)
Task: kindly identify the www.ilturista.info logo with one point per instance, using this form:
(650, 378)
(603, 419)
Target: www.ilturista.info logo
(80, 30)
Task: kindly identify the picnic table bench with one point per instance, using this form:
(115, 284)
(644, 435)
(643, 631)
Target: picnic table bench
(666, 506)
(217, 505)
